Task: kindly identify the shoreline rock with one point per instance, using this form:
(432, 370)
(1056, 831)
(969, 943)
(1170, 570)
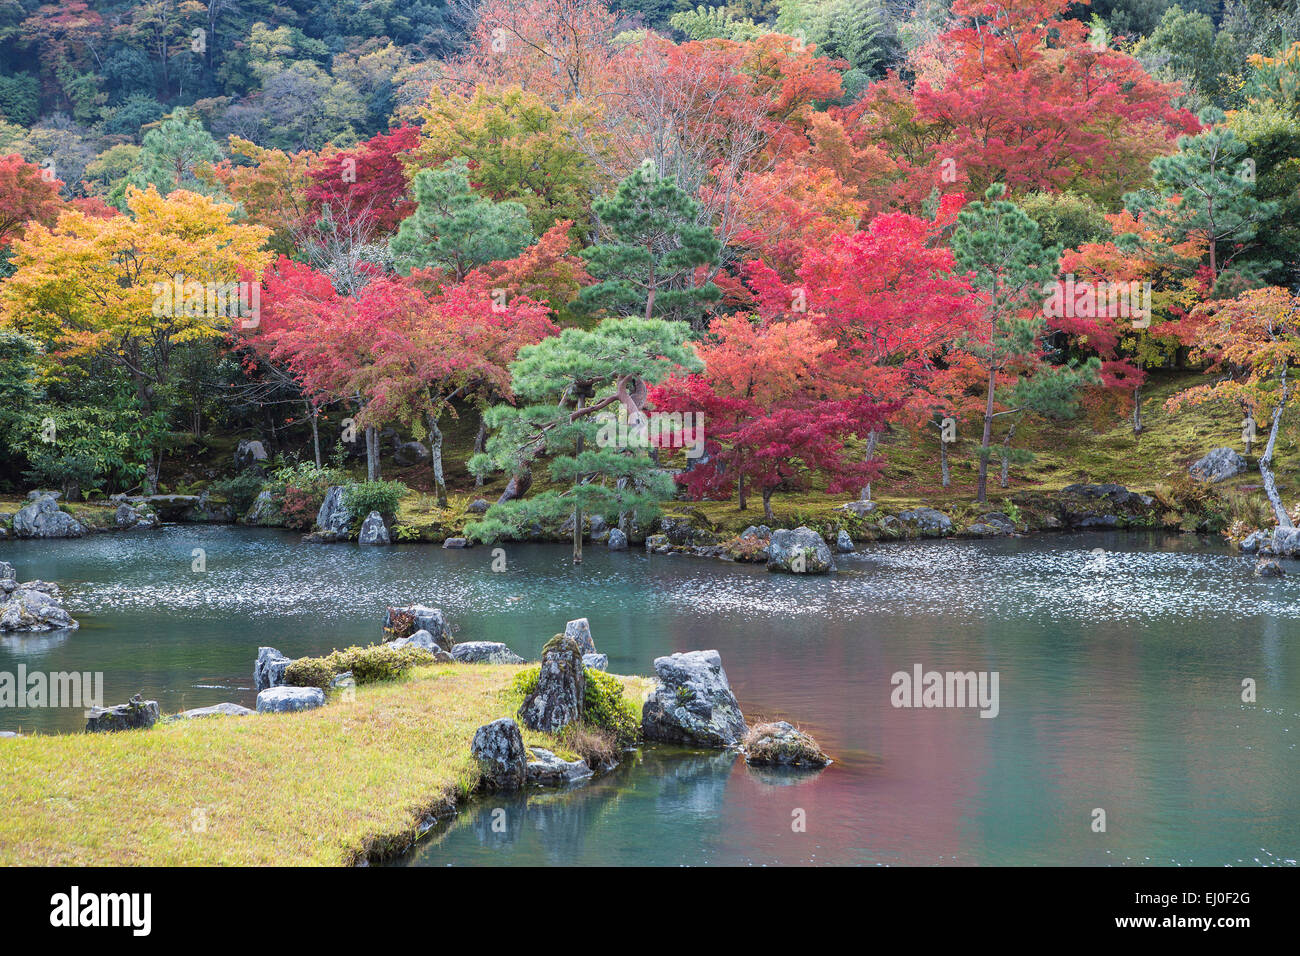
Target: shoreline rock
(284, 700)
(692, 703)
(135, 714)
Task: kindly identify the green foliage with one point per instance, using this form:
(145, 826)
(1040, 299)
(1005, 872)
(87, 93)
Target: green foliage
(604, 705)
(239, 491)
(363, 497)
(709, 23)
(1206, 189)
(78, 447)
(170, 153)
(376, 662)
(454, 228)
(561, 384)
(651, 246)
(1067, 219)
(857, 31)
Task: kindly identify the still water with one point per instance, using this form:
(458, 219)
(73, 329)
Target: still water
(1120, 660)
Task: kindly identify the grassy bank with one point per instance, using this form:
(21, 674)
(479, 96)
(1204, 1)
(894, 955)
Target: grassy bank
(330, 786)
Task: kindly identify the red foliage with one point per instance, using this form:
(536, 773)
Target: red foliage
(366, 185)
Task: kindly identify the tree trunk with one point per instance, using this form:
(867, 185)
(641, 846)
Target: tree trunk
(577, 508)
(372, 453)
(314, 412)
(517, 486)
(981, 489)
(1006, 453)
(740, 490)
(872, 437)
(1266, 465)
(480, 444)
(767, 506)
(1137, 410)
(435, 459)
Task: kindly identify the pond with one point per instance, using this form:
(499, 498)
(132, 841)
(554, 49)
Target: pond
(1120, 661)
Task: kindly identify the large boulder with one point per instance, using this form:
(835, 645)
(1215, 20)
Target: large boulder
(484, 652)
(409, 453)
(799, 551)
(927, 521)
(692, 703)
(283, 700)
(374, 530)
(249, 453)
(498, 749)
(43, 519)
(580, 631)
(1268, 568)
(406, 621)
(843, 543)
(617, 540)
(269, 669)
(1219, 464)
(32, 606)
(545, 769)
(557, 699)
(596, 662)
(781, 744)
(139, 517)
(334, 519)
(135, 714)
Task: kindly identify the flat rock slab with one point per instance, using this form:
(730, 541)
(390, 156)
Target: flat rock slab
(226, 709)
(484, 652)
(281, 700)
(545, 769)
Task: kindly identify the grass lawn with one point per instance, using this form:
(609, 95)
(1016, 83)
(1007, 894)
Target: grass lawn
(330, 786)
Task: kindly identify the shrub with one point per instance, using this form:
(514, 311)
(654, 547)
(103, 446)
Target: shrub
(605, 706)
(364, 497)
(367, 664)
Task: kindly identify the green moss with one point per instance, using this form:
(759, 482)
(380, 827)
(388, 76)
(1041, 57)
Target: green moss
(367, 664)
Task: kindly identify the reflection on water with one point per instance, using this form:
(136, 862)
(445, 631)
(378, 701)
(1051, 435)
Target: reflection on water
(1120, 686)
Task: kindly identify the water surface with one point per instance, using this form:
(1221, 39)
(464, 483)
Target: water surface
(1120, 661)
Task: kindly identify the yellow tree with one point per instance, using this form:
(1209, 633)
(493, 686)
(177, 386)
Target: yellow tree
(132, 289)
(1253, 341)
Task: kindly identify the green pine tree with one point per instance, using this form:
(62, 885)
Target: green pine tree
(1205, 190)
(650, 251)
(567, 388)
(455, 228)
(1001, 247)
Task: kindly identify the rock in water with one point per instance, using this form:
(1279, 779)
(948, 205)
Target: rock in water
(43, 519)
(455, 543)
(484, 652)
(692, 703)
(617, 540)
(136, 714)
(32, 606)
(1268, 568)
(843, 543)
(282, 700)
(561, 687)
(782, 745)
(580, 631)
(334, 520)
(406, 621)
(548, 770)
(269, 669)
(801, 551)
(498, 748)
(262, 511)
(1219, 464)
(373, 530)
